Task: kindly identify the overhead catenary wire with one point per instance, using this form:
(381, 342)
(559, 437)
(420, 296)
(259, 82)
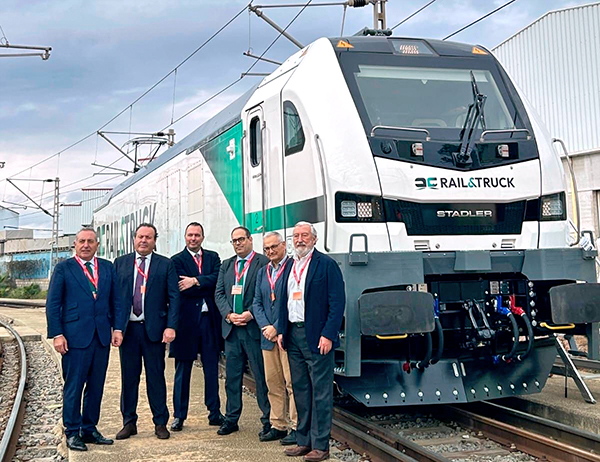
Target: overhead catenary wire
(480, 19)
(414, 14)
(84, 138)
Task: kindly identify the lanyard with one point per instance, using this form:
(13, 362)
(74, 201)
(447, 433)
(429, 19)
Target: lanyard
(238, 275)
(139, 270)
(273, 281)
(92, 278)
(296, 277)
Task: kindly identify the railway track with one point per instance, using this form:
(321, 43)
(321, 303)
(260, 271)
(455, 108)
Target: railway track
(12, 429)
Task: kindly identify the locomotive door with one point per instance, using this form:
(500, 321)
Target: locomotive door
(254, 172)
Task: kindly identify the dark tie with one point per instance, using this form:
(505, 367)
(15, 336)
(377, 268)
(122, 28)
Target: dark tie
(239, 299)
(137, 293)
(88, 265)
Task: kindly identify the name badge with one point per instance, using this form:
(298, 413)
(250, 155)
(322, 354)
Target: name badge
(143, 289)
(297, 295)
(272, 296)
(236, 290)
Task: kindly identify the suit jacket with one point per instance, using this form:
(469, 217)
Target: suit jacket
(264, 310)
(324, 301)
(223, 295)
(161, 303)
(72, 310)
(185, 345)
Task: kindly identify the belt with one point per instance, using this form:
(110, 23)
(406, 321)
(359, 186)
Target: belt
(297, 324)
(137, 322)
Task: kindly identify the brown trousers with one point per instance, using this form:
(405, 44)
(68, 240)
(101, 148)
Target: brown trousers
(279, 383)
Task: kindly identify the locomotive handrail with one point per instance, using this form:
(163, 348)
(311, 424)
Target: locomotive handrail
(408, 129)
(324, 182)
(509, 130)
(575, 190)
(545, 325)
(392, 337)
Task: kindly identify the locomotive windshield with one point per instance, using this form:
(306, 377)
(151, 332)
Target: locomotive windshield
(430, 92)
(430, 98)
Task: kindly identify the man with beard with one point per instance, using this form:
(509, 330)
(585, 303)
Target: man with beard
(309, 323)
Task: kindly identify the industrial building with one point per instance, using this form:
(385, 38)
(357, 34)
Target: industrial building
(555, 61)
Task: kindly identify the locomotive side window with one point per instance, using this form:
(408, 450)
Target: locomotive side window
(292, 129)
(255, 142)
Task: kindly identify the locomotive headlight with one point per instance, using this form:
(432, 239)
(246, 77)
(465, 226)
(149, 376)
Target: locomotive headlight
(348, 209)
(552, 207)
(352, 208)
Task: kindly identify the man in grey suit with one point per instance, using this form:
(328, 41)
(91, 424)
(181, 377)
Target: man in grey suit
(234, 295)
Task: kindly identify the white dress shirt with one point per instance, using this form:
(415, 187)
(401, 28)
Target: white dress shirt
(296, 307)
(193, 254)
(133, 317)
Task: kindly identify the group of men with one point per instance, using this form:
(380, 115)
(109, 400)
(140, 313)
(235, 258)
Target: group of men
(280, 315)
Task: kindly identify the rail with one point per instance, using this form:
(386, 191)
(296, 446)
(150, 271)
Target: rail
(22, 303)
(11, 432)
(404, 129)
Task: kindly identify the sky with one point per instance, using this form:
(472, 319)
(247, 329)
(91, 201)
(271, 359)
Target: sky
(107, 53)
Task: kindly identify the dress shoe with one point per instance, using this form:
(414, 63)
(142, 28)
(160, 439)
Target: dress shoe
(273, 435)
(177, 424)
(290, 439)
(128, 430)
(297, 451)
(227, 428)
(316, 455)
(217, 421)
(96, 438)
(75, 443)
(266, 429)
(161, 432)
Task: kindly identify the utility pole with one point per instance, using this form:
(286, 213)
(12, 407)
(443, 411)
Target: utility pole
(55, 214)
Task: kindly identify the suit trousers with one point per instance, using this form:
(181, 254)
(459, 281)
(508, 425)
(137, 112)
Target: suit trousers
(239, 348)
(209, 354)
(84, 367)
(279, 383)
(135, 347)
(312, 380)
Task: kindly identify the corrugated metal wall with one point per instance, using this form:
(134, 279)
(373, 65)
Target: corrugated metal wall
(8, 219)
(556, 62)
(91, 198)
(70, 219)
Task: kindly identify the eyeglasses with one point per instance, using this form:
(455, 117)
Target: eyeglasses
(273, 247)
(239, 240)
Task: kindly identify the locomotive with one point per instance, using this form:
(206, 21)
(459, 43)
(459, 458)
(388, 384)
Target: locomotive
(429, 180)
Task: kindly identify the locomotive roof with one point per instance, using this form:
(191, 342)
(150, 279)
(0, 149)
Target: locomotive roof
(216, 125)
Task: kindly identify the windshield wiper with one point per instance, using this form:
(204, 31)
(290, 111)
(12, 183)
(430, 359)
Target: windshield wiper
(474, 115)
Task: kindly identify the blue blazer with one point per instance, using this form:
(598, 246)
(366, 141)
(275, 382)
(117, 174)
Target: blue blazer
(161, 305)
(263, 309)
(72, 310)
(185, 345)
(324, 298)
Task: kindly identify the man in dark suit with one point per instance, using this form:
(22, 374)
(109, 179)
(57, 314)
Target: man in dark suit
(82, 307)
(199, 326)
(265, 309)
(234, 295)
(309, 325)
(148, 285)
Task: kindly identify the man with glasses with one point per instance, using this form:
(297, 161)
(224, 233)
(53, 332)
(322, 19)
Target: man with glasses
(309, 324)
(234, 295)
(267, 296)
(199, 326)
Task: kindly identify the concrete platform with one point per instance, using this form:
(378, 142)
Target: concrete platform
(197, 442)
(571, 409)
